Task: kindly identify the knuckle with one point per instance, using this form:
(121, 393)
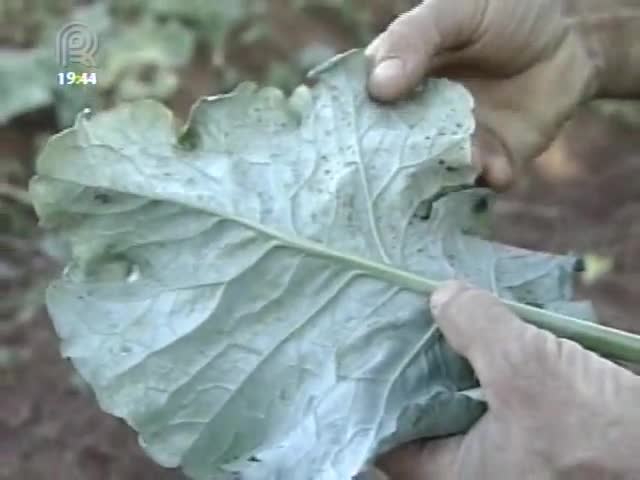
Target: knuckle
(462, 304)
(520, 376)
(538, 351)
(411, 29)
(467, 318)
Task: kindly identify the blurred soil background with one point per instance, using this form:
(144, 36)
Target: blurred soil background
(581, 196)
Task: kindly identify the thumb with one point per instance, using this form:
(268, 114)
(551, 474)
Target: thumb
(490, 156)
(434, 460)
(500, 347)
(403, 55)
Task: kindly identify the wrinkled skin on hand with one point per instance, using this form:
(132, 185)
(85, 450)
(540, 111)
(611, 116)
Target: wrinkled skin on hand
(555, 410)
(525, 62)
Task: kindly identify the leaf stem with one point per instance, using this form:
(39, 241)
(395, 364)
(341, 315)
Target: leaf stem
(606, 341)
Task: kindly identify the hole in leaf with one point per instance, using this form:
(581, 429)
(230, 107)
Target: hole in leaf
(148, 74)
(481, 205)
(189, 139)
(102, 198)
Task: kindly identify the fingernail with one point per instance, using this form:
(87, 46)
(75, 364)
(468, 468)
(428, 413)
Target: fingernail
(373, 46)
(499, 173)
(443, 295)
(371, 50)
(388, 71)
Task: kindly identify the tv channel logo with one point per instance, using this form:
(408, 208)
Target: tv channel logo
(76, 44)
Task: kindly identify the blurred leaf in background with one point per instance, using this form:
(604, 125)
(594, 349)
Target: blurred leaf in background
(24, 82)
(24, 22)
(212, 20)
(625, 112)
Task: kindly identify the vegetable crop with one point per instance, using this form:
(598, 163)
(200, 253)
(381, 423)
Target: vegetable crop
(249, 293)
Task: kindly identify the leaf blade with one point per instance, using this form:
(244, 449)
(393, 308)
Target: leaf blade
(258, 291)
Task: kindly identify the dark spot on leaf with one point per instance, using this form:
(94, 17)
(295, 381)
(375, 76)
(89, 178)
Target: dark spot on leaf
(426, 214)
(148, 74)
(481, 205)
(579, 266)
(451, 169)
(441, 161)
(254, 459)
(162, 18)
(424, 210)
(102, 198)
(481, 182)
(189, 139)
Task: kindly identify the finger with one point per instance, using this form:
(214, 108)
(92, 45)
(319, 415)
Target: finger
(402, 55)
(434, 460)
(371, 473)
(492, 158)
(499, 346)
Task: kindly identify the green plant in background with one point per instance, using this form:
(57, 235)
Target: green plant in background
(142, 60)
(23, 22)
(22, 278)
(212, 20)
(351, 13)
(137, 59)
(25, 82)
(143, 45)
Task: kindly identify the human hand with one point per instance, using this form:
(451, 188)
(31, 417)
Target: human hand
(555, 410)
(525, 62)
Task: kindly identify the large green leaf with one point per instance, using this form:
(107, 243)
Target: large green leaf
(234, 291)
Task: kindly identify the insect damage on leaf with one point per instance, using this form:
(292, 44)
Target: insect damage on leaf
(243, 294)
